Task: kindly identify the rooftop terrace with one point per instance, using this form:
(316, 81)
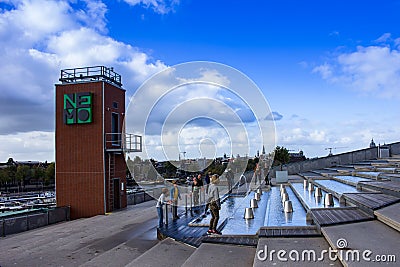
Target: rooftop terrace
(96, 73)
(364, 216)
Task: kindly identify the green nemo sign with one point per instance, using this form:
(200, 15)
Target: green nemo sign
(78, 108)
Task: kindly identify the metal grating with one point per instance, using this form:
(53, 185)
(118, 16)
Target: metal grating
(304, 231)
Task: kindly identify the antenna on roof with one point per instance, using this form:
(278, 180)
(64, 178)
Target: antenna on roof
(330, 149)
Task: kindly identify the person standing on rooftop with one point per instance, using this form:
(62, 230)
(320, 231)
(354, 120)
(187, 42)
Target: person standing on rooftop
(160, 203)
(196, 193)
(215, 204)
(175, 195)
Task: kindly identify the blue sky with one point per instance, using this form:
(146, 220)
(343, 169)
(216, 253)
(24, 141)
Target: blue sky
(329, 69)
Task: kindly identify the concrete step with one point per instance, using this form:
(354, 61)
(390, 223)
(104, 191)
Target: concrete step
(359, 238)
(77, 242)
(115, 248)
(166, 253)
(387, 187)
(390, 216)
(297, 251)
(125, 253)
(220, 255)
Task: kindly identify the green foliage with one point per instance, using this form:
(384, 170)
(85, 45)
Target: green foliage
(152, 174)
(251, 164)
(215, 168)
(23, 172)
(170, 169)
(38, 173)
(4, 176)
(10, 172)
(50, 173)
(281, 156)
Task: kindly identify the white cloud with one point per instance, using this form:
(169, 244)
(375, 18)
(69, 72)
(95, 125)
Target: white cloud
(374, 70)
(276, 116)
(35, 145)
(94, 15)
(32, 21)
(37, 39)
(159, 6)
(397, 42)
(313, 137)
(384, 38)
(324, 70)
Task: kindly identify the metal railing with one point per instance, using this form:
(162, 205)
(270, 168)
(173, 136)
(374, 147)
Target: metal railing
(95, 73)
(123, 142)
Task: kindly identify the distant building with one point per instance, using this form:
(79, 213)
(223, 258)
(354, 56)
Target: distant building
(296, 157)
(29, 163)
(372, 144)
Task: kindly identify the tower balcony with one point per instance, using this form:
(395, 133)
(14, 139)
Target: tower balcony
(123, 142)
(86, 74)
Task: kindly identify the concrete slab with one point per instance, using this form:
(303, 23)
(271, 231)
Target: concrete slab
(295, 178)
(221, 255)
(76, 242)
(295, 252)
(166, 253)
(357, 238)
(121, 255)
(390, 216)
(124, 253)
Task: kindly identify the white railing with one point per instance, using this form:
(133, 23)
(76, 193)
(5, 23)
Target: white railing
(123, 142)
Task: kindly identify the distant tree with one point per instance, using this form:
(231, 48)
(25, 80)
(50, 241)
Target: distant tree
(170, 169)
(50, 173)
(281, 156)
(10, 173)
(152, 174)
(23, 172)
(38, 173)
(4, 179)
(216, 167)
(251, 164)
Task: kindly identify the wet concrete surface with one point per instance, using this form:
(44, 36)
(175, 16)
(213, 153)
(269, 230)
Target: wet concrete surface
(352, 179)
(275, 215)
(336, 186)
(270, 212)
(237, 224)
(369, 174)
(308, 198)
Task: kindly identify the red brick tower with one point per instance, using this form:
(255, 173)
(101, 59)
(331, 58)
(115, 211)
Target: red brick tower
(91, 141)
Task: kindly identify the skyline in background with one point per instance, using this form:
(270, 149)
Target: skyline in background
(329, 70)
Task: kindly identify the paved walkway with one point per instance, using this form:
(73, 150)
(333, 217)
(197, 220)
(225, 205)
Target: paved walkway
(390, 215)
(354, 239)
(112, 240)
(297, 252)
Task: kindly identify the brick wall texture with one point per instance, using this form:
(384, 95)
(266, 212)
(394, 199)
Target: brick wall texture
(83, 177)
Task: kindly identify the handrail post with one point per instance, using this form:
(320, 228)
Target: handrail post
(186, 203)
(166, 214)
(191, 204)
